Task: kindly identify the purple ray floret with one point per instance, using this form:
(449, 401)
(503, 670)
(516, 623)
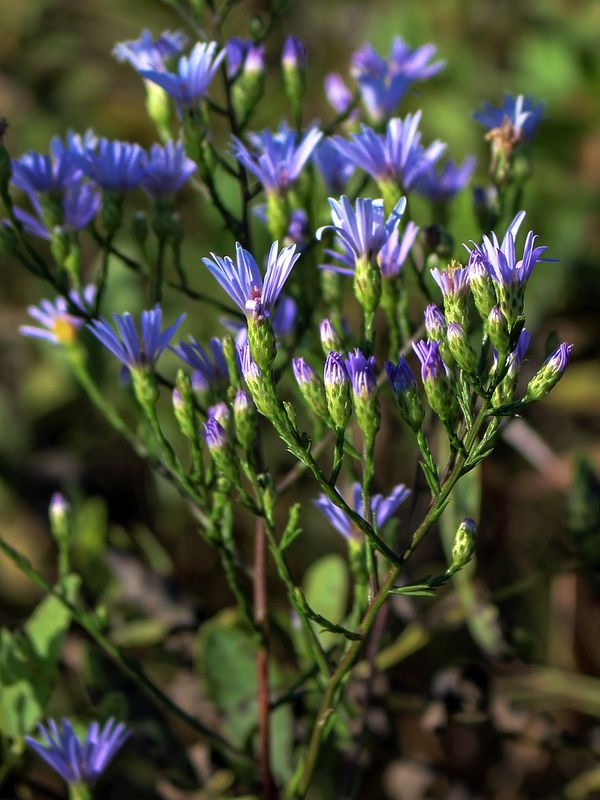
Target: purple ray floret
(243, 281)
(395, 251)
(383, 508)
(384, 82)
(115, 166)
(400, 375)
(146, 52)
(79, 760)
(166, 169)
(80, 204)
(194, 74)
(439, 186)
(135, 349)
(278, 158)
(523, 113)
(397, 156)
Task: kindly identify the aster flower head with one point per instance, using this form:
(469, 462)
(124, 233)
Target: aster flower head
(330, 338)
(383, 508)
(221, 412)
(454, 285)
(136, 350)
(278, 159)
(432, 365)
(146, 52)
(79, 760)
(395, 251)
(311, 387)
(250, 369)
(243, 281)
(404, 387)
(244, 54)
(79, 204)
(59, 325)
(335, 372)
(400, 375)
(440, 186)
(214, 434)
(362, 374)
(303, 372)
(508, 272)
(40, 173)
(337, 389)
(362, 230)
(115, 166)
(522, 114)
(333, 165)
(384, 82)
(194, 74)
(209, 368)
(398, 156)
(166, 169)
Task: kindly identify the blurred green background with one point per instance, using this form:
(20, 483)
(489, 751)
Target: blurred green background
(539, 518)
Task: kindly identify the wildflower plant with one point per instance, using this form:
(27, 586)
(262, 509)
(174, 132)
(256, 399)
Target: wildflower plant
(311, 379)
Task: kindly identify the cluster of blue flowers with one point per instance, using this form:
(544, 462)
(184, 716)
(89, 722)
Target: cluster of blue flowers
(467, 381)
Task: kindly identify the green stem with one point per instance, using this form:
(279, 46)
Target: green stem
(327, 708)
(160, 265)
(128, 664)
(79, 791)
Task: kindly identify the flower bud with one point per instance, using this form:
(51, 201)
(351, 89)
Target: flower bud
(435, 377)
(330, 338)
(59, 513)
(183, 405)
(367, 284)
(464, 544)
(220, 411)
(364, 392)
(158, 107)
(230, 353)
(255, 382)
(219, 448)
(435, 323)
(549, 374)
(293, 64)
(311, 387)
(482, 287)
(261, 339)
(244, 419)
(406, 392)
(497, 330)
(461, 348)
(337, 389)
(250, 85)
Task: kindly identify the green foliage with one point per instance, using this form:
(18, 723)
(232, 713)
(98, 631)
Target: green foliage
(29, 661)
(326, 591)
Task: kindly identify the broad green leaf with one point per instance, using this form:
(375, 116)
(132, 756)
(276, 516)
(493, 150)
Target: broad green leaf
(28, 663)
(326, 591)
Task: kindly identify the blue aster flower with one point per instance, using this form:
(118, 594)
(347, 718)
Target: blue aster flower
(521, 113)
(278, 159)
(80, 203)
(334, 166)
(59, 324)
(398, 156)
(136, 350)
(243, 281)
(146, 52)
(194, 74)
(452, 282)
(115, 166)
(395, 251)
(439, 186)
(384, 82)
(383, 508)
(361, 230)
(166, 169)
(41, 173)
(79, 760)
(209, 370)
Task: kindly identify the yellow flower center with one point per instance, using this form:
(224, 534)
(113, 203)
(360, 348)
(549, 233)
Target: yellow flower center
(64, 330)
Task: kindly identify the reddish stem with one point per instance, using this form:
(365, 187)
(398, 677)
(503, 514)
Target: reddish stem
(269, 789)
